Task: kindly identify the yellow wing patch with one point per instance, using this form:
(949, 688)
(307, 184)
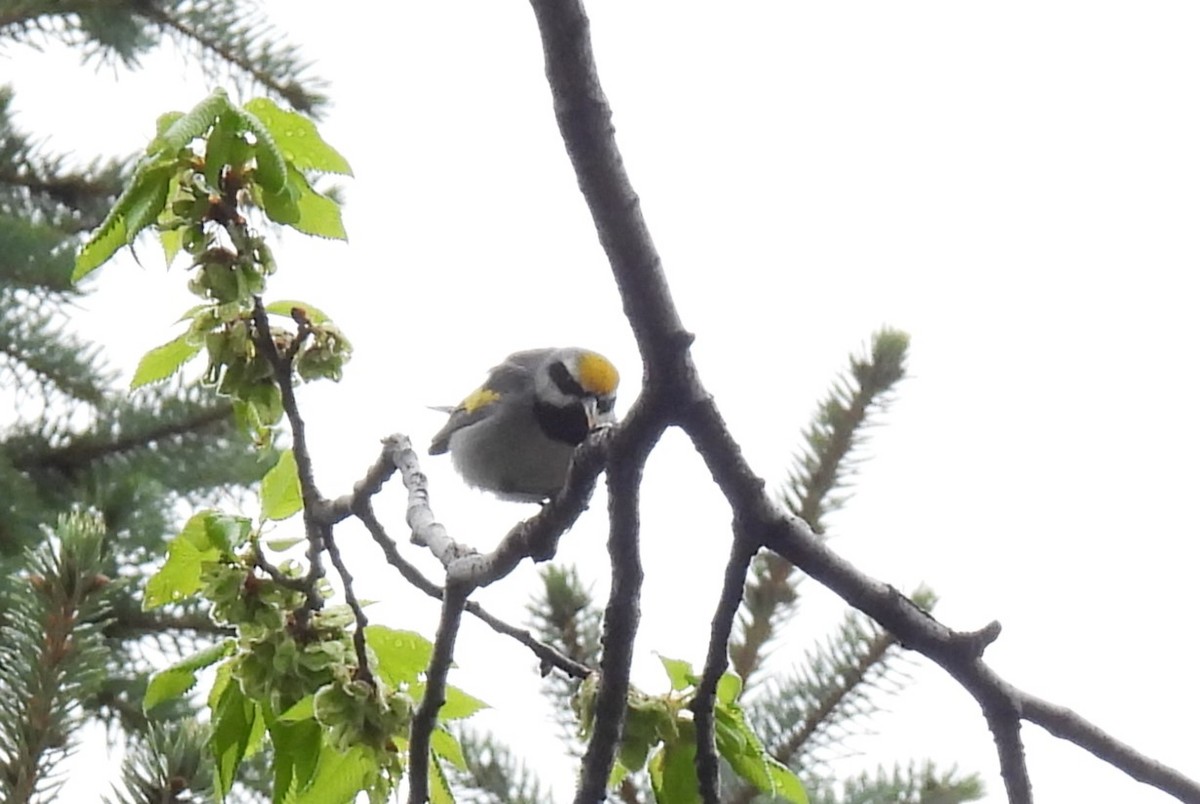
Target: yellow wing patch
(478, 398)
(597, 375)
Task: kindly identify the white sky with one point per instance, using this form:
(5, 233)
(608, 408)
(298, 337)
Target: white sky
(1014, 184)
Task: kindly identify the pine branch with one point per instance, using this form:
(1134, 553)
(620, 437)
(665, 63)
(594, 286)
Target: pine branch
(74, 458)
(52, 655)
(822, 466)
(171, 764)
(37, 351)
(565, 617)
(911, 784)
(495, 774)
(226, 34)
(838, 683)
(235, 36)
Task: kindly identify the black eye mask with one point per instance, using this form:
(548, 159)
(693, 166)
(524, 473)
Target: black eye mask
(564, 381)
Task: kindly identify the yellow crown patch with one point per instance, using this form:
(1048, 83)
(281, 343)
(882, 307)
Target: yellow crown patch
(597, 375)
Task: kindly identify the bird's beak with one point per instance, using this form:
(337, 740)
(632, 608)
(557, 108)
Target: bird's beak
(589, 410)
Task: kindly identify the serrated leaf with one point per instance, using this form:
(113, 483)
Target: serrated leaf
(218, 148)
(459, 704)
(740, 747)
(206, 536)
(443, 744)
(232, 724)
(171, 241)
(300, 710)
(100, 247)
(148, 197)
(439, 786)
(284, 307)
(136, 208)
(673, 773)
(338, 776)
(297, 745)
(298, 138)
(179, 576)
(223, 679)
(617, 775)
(320, 215)
(402, 655)
(281, 488)
(190, 125)
(680, 672)
(282, 206)
(163, 361)
(270, 170)
(180, 677)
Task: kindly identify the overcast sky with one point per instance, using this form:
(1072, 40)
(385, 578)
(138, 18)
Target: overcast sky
(1016, 185)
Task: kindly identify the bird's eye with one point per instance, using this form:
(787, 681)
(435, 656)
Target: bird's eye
(564, 381)
(605, 404)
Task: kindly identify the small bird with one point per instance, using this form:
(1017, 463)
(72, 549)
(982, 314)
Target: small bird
(514, 435)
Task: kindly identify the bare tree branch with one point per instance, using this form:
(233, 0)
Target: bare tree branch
(425, 719)
(629, 453)
(1066, 725)
(585, 121)
(314, 502)
(549, 656)
(707, 766)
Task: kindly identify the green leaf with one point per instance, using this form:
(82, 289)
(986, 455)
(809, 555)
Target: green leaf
(680, 672)
(283, 205)
(298, 138)
(232, 725)
(320, 215)
(297, 745)
(207, 536)
(740, 747)
(187, 127)
(284, 307)
(673, 773)
(459, 704)
(180, 677)
(179, 576)
(136, 208)
(223, 679)
(443, 744)
(439, 786)
(284, 543)
(402, 655)
(338, 776)
(163, 361)
(281, 495)
(171, 240)
(218, 148)
(300, 710)
(729, 687)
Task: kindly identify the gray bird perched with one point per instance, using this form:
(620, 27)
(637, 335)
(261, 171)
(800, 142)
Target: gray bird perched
(514, 435)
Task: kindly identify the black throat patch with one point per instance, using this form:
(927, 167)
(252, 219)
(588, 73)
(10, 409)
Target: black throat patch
(568, 424)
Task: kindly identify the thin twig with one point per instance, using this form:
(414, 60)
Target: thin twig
(425, 719)
(707, 766)
(363, 671)
(276, 575)
(547, 654)
(313, 500)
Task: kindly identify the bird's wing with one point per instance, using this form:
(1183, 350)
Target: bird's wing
(512, 377)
